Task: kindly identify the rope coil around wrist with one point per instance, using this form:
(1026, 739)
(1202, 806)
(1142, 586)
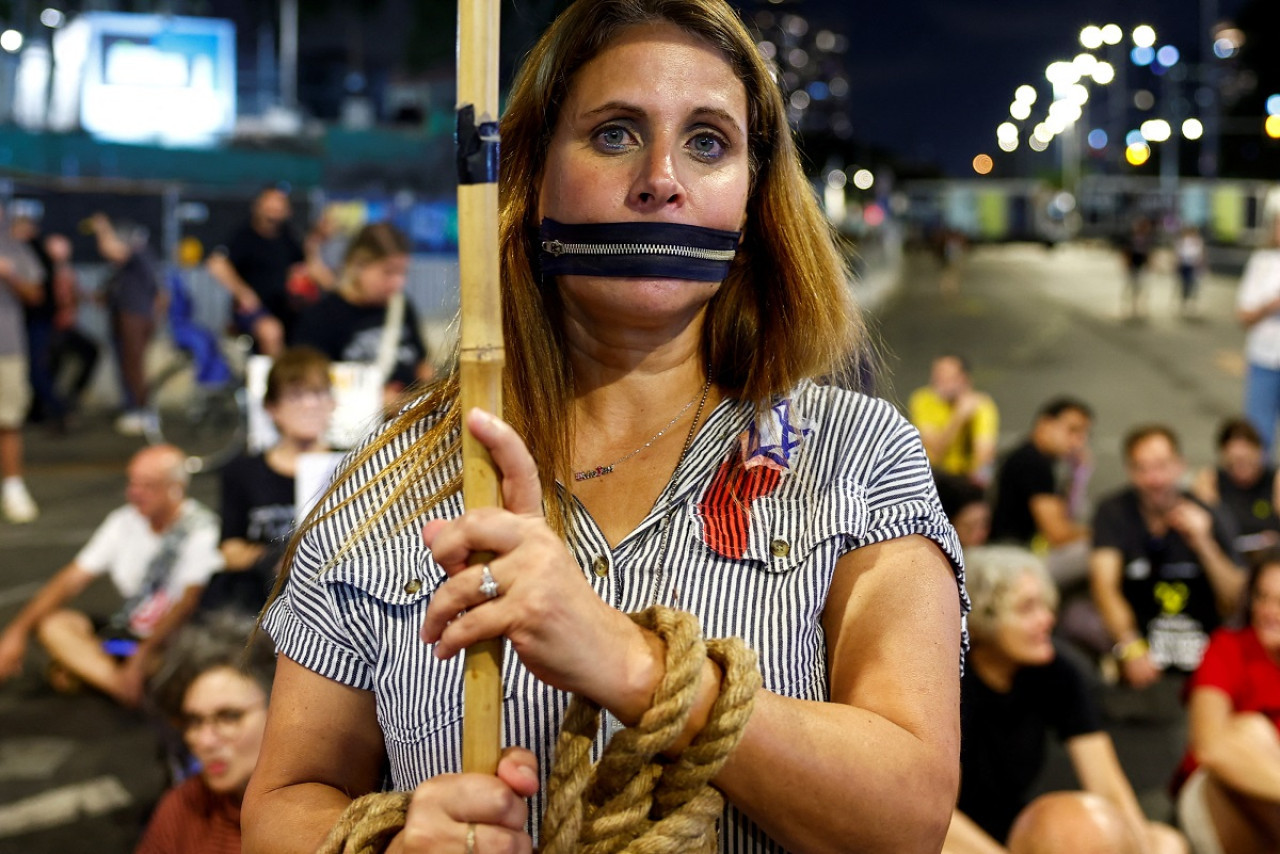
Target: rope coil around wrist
(633, 801)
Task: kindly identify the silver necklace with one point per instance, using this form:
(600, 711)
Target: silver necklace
(601, 471)
(669, 493)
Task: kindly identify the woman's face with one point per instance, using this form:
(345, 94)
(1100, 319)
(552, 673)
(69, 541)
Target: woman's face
(1265, 613)
(654, 128)
(302, 412)
(378, 281)
(1242, 461)
(1024, 632)
(224, 714)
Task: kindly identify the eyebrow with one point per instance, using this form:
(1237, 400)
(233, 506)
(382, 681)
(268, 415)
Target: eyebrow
(699, 112)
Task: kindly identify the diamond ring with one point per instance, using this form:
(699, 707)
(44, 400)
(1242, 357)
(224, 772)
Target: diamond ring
(488, 584)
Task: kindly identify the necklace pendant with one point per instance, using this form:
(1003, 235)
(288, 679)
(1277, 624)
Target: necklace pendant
(589, 474)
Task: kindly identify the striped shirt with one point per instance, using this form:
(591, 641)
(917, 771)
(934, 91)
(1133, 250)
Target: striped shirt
(751, 551)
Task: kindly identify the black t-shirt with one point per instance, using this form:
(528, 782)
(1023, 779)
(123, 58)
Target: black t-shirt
(264, 263)
(1249, 509)
(1025, 473)
(258, 506)
(1003, 737)
(1163, 581)
(353, 333)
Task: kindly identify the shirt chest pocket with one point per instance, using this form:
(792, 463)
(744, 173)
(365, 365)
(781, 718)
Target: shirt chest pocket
(779, 535)
(419, 698)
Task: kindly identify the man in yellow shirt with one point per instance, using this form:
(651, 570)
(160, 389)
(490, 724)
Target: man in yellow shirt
(959, 425)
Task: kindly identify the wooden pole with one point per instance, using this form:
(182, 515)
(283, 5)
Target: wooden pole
(481, 354)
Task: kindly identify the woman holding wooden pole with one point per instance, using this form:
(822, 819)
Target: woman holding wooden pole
(670, 294)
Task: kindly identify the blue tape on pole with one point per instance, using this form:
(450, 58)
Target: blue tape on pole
(477, 148)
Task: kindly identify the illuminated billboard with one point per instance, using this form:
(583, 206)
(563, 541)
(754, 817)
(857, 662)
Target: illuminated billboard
(162, 79)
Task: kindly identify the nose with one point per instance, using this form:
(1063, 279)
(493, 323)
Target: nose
(657, 184)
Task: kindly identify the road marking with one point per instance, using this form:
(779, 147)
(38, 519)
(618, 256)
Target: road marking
(63, 805)
(33, 758)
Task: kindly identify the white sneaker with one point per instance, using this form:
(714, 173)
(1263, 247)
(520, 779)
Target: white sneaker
(132, 423)
(19, 507)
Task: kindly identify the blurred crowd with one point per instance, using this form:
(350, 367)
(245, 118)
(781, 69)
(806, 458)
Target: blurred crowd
(1169, 587)
(1174, 579)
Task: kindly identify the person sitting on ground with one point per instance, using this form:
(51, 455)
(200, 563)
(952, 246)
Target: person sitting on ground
(1017, 688)
(967, 508)
(1228, 786)
(1032, 508)
(1162, 570)
(258, 497)
(958, 424)
(134, 298)
(255, 266)
(367, 318)
(216, 692)
(1244, 488)
(159, 550)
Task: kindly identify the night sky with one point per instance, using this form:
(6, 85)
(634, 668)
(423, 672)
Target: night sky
(932, 78)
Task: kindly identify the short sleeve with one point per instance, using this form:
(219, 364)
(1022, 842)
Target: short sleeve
(238, 249)
(900, 494)
(97, 554)
(1259, 282)
(1108, 526)
(986, 422)
(307, 623)
(199, 558)
(1222, 666)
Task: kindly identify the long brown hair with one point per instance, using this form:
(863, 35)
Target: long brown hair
(784, 313)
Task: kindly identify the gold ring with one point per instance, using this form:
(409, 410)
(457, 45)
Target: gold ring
(471, 837)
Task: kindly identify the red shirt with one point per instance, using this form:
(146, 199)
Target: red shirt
(1236, 664)
(190, 819)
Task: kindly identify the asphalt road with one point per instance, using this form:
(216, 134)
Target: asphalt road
(79, 775)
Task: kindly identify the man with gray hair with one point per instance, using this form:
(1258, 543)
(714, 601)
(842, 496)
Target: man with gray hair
(159, 551)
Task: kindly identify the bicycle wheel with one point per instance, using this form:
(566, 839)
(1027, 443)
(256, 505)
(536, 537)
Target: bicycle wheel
(207, 421)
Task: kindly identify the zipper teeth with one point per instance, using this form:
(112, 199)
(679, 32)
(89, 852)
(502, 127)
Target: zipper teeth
(556, 247)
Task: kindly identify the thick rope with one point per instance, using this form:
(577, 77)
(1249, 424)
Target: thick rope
(367, 825)
(634, 800)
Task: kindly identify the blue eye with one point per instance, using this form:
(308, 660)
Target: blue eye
(707, 146)
(613, 138)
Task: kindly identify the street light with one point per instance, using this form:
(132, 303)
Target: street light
(1091, 37)
(1144, 35)
(11, 40)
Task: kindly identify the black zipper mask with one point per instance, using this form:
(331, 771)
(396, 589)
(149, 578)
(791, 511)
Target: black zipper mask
(660, 250)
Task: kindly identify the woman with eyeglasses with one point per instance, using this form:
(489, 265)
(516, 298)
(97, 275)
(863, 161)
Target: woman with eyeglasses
(217, 692)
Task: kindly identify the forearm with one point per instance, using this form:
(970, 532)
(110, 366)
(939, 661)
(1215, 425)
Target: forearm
(1226, 579)
(829, 777)
(45, 602)
(225, 274)
(238, 554)
(1117, 616)
(290, 820)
